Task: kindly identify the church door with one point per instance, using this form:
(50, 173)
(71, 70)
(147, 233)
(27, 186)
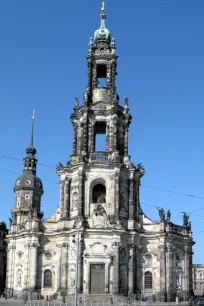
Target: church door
(97, 278)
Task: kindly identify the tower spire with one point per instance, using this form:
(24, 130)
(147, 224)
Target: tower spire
(102, 34)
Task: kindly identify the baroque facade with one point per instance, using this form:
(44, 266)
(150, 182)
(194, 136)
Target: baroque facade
(3, 233)
(121, 251)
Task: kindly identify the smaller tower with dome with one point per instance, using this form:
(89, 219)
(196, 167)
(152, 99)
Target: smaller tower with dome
(28, 188)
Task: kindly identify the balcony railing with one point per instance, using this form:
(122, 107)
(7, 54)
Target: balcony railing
(99, 157)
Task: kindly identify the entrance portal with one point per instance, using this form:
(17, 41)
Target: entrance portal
(97, 278)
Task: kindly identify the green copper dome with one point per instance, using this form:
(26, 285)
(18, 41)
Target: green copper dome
(102, 34)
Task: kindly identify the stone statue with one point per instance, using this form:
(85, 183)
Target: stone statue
(90, 42)
(11, 222)
(161, 214)
(75, 199)
(76, 103)
(179, 281)
(185, 219)
(168, 216)
(189, 225)
(113, 44)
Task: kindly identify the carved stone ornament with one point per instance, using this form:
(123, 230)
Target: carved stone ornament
(79, 222)
(20, 254)
(99, 216)
(59, 167)
(114, 222)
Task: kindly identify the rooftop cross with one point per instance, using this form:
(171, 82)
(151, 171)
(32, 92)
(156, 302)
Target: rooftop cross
(103, 6)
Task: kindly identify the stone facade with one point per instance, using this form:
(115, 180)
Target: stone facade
(198, 279)
(121, 251)
(3, 233)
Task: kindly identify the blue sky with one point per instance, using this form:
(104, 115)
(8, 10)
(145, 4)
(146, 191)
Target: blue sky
(160, 44)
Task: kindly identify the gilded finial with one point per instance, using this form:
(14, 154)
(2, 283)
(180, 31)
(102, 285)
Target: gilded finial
(103, 7)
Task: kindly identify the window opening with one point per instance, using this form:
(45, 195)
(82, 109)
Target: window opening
(47, 279)
(100, 136)
(99, 194)
(102, 75)
(148, 280)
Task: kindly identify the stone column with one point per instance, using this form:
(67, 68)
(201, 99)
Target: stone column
(113, 73)
(115, 132)
(162, 248)
(186, 273)
(89, 73)
(191, 274)
(66, 198)
(64, 256)
(138, 278)
(126, 140)
(80, 265)
(107, 277)
(137, 199)
(131, 270)
(92, 137)
(116, 268)
(33, 266)
(85, 136)
(89, 136)
(131, 199)
(107, 137)
(117, 193)
(61, 199)
(80, 200)
(169, 272)
(81, 137)
(94, 77)
(74, 150)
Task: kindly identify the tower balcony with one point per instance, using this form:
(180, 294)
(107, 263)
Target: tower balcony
(99, 157)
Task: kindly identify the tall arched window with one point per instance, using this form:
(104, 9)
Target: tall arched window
(48, 278)
(99, 194)
(148, 280)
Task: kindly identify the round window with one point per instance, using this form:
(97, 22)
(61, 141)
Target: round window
(26, 196)
(18, 183)
(48, 255)
(38, 184)
(148, 256)
(27, 182)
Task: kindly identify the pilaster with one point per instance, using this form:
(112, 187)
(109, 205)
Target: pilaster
(162, 248)
(169, 272)
(116, 268)
(131, 271)
(186, 273)
(66, 198)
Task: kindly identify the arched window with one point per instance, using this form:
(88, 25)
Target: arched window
(47, 279)
(148, 280)
(99, 194)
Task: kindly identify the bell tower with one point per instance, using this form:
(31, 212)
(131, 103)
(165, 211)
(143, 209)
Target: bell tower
(108, 173)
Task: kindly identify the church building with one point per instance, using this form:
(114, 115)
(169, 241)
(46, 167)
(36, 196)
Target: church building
(99, 234)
